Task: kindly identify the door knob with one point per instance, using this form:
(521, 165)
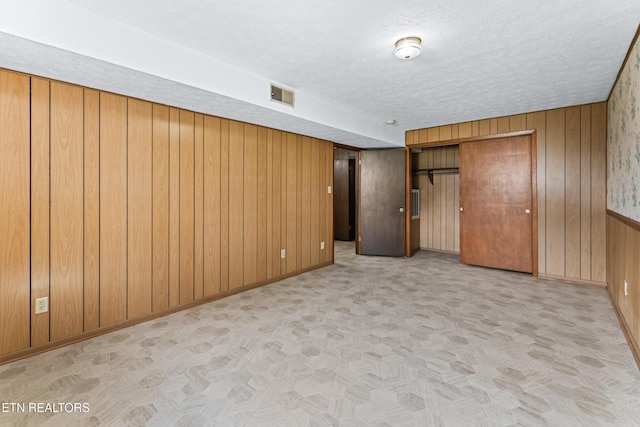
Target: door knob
(401, 209)
(461, 209)
(527, 211)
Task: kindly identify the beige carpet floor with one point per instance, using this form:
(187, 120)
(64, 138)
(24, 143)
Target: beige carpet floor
(368, 341)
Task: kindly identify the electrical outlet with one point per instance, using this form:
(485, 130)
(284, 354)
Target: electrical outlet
(321, 245)
(283, 253)
(626, 288)
(42, 305)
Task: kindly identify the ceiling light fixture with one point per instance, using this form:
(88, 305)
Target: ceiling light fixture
(408, 48)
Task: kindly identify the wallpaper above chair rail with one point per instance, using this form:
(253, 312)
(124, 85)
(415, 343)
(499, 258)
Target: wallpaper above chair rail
(623, 140)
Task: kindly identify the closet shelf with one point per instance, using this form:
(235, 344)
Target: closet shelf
(436, 171)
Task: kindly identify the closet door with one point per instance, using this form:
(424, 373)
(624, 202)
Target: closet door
(497, 209)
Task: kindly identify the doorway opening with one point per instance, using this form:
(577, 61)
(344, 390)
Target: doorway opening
(345, 184)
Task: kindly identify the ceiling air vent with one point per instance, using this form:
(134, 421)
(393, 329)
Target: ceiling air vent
(281, 95)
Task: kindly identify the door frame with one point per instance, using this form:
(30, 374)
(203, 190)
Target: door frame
(534, 181)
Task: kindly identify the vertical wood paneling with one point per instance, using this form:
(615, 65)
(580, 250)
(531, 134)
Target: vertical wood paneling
(263, 160)
(306, 191)
(503, 124)
(315, 202)
(137, 207)
(585, 192)
(198, 227)
(14, 215)
(422, 136)
(408, 137)
(445, 132)
(464, 130)
(439, 222)
(411, 137)
(236, 201)
(187, 214)
(250, 216)
(66, 210)
(484, 127)
(426, 200)
(567, 185)
(572, 192)
(451, 191)
(538, 121)
(555, 183)
(438, 219)
(292, 205)
(174, 207)
(283, 202)
(299, 191)
(623, 252)
(444, 211)
(113, 209)
(455, 131)
(517, 122)
(416, 137)
(269, 204)
(160, 208)
(493, 125)
(39, 206)
(425, 218)
(328, 237)
(325, 155)
(139, 211)
(632, 252)
(212, 206)
(433, 134)
(598, 191)
(224, 205)
(276, 207)
(91, 209)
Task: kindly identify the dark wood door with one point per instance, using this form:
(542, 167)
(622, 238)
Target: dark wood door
(344, 199)
(382, 202)
(496, 203)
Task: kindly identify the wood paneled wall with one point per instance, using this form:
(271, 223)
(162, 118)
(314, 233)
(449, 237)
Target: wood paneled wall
(119, 209)
(439, 202)
(623, 253)
(571, 161)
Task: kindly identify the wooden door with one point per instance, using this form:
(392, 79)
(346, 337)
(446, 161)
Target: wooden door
(382, 202)
(497, 206)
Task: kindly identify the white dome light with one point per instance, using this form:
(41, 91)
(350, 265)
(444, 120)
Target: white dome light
(408, 48)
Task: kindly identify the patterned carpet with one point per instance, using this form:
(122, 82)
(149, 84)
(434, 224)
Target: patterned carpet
(369, 341)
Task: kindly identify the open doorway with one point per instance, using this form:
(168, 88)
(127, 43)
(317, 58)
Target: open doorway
(345, 184)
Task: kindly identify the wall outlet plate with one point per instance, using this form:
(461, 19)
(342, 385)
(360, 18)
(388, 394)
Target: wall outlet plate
(283, 253)
(626, 288)
(42, 305)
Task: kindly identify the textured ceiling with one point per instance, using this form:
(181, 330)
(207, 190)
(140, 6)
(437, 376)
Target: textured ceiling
(479, 59)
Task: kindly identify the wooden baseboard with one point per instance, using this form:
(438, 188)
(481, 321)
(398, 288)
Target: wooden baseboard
(152, 316)
(572, 280)
(633, 345)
